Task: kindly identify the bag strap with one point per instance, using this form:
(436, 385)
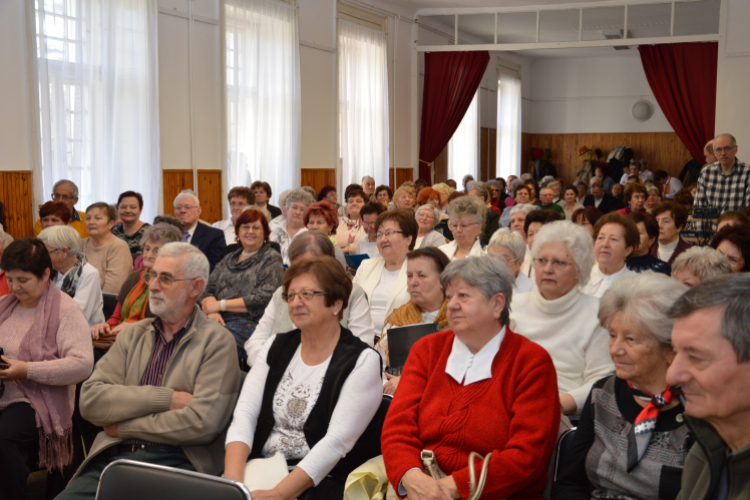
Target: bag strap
(431, 468)
(475, 489)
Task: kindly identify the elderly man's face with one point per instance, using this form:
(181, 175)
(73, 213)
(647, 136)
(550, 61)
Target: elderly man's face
(169, 300)
(368, 186)
(705, 366)
(724, 151)
(710, 156)
(187, 211)
(546, 196)
(631, 182)
(597, 191)
(64, 193)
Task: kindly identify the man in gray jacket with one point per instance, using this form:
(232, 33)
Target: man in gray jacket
(165, 391)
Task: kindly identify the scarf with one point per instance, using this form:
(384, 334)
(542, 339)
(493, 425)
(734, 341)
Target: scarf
(645, 423)
(70, 283)
(134, 307)
(51, 403)
(410, 314)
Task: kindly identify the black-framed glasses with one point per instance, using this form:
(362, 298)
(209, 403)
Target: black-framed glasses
(165, 281)
(305, 295)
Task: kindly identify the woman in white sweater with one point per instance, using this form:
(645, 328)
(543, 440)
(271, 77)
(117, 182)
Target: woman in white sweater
(559, 317)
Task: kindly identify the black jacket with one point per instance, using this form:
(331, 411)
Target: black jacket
(275, 211)
(210, 241)
(608, 204)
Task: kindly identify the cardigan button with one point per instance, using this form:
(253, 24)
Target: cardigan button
(679, 418)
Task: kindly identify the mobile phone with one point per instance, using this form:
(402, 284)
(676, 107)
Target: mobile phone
(3, 364)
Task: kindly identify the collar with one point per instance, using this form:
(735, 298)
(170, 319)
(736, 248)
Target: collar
(76, 216)
(467, 368)
(731, 171)
(597, 276)
(159, 327)
(671, 247)
(191, 231)
(557, 305)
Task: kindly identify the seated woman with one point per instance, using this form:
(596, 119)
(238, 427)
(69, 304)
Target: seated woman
(129, 208)
(312, 392)
(641, 259)
(427, 303)
(531, 225)
(615, 238)
(72, 273)
(697, 264)
(383, 195)
(478, 387)
(350, 229)
(587, 217)
(671, 218)
(653, 198)
(517, 217)
(329, 194)
(467, 215)
(634, 409)
(54, 213)
(569, 203)
(511, 247)
(369, 214)
(132, 300)
(46, 342)
(107, 253)
(533, 191)
(635, 200)
(384, 278)
(427, 217)
(560, 318)
(734, 243)
(404, 198)
(323, 217)
(296, 203)
(238, 197)
(243, 282)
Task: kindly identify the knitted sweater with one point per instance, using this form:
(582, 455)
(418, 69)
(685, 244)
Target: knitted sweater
(568, 328)
(113, 261)
(515, 415)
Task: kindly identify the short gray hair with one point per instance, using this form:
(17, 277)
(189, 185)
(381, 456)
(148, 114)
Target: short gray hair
(493, 183)
(702, 262)
(554, 183)
(515, 183)
(468, 205)
(644, 300)
(61, 236)
(189, 193)
(74, 188)
(575, 238)
(197, 265)
(162, 232)
(526, 208)
(310, 190)
(310, 241)
(431, 208)
(512, 240)
(368, 177)
(300, 195)
(596, 182)
(283, 195)
(488, 274)
(729, 136)
(732, 292)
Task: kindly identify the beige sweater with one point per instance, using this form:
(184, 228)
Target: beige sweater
(113, 261)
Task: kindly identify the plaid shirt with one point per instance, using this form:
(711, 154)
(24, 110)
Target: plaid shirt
(725, 192)
(159, 358)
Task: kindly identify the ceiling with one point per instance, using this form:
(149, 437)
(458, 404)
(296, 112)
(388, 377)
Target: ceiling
(416, 5)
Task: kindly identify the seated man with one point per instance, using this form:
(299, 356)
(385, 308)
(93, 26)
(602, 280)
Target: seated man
(711, 340)
(209, 240)
(67, 192)
(599, 198)
(165, 391)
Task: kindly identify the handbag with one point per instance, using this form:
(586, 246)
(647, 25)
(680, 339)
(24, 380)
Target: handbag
(432, 469)
(265, 473)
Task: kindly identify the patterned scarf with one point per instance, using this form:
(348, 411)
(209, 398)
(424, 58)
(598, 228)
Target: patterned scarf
(645, 423)
(70, 283)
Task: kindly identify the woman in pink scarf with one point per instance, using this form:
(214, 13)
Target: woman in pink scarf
(47, 351)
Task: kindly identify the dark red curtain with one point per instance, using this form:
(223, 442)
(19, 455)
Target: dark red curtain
(450, 81)
(683, 79)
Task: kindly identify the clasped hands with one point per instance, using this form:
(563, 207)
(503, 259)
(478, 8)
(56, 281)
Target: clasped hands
(212, 308)
(178, 401)
(420, 486)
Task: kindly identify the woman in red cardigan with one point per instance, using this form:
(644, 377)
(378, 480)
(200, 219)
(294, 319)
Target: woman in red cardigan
(476, 387)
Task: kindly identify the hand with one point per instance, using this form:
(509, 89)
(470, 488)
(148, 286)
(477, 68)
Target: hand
(116, 330)
(16, 371)
(100, 330)
(420, 486)
(111, 430)
(180, 400)
(217, 317)
(569, 406)
(390, 386)
(450, 483)
(266, 495)
(210, 305)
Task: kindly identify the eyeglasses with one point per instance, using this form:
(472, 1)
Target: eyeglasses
(425, 215)
(464, 227)
(368, 224)
(387, 234)
(305, 295)
(728, 149)
(557, 264)
(58, 196)
(180, 208)
(165, 281)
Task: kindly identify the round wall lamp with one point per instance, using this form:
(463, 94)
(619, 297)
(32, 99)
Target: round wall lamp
(642, 110)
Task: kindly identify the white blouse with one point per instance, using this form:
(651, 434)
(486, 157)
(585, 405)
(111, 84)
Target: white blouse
(450, 249)
(600, 282)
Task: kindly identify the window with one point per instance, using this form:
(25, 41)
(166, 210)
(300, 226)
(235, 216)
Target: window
(99, 124)
(463, 148)
(263, 93)
(508, 123)
(363, 104)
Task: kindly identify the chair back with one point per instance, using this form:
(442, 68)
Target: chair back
(564, 445)
(110, 304)
(128, 480)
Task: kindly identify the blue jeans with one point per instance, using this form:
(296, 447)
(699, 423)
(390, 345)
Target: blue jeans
(85, 485)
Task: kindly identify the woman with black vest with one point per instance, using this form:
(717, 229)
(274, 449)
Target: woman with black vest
(312, 392)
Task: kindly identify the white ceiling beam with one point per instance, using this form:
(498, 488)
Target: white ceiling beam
(533, 8)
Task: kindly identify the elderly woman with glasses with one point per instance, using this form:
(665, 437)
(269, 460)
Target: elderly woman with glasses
(312, 392)
(510, 246)
(242, 284)
(427, 217)
(559, 317)
(631, 440)
(466, 219)
(477, 387)
(296, 203)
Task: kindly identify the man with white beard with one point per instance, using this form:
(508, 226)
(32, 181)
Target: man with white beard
(165, 391)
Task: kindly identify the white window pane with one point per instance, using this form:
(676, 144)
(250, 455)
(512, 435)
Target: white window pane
(55, 49)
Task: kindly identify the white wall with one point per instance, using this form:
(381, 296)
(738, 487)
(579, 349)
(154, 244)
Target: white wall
(591, 94)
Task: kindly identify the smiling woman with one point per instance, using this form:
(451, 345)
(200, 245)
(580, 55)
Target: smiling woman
(108, 254)
(130, 230)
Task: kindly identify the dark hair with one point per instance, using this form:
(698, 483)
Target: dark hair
(371, 207)
(603, 167)
(660, 174)
(534, 184)
(592, 215)
(570, 187)
(383, 187)
(634, 177)
(404, 219)
(519, 187)
(252, 215)
(425, 194)
(330, 275)
(737, 234)
(635, 188)
(649, 222)
(735, 216)
(262, 184)
(170, 219)
(502, 181)
(685, 198)
(354, 187)
(433, 253)
(351, 193)
(56, 208)
(454, 196)
(108, 209)
(324, 192)
(324, 209)
(420, 182)
(541, 216)
(131, 194)
(632, 236)
(679, 213)
(28, 255)
(242, 192)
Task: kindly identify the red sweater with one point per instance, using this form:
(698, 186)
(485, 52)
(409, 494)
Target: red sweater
(515, 415)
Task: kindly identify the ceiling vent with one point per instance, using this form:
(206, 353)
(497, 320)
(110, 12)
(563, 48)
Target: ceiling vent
(615, 35)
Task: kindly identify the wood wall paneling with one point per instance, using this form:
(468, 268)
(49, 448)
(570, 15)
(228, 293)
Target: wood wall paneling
(15, 193)
(318, 178)
(487, 153)
(403, 175)
(174, 182)
(209, 191)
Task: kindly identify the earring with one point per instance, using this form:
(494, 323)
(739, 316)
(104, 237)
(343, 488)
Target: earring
(335, 313)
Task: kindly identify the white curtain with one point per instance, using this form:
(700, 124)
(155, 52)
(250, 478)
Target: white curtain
(508, 125)
(263, 94)
(363, 104)
(463, 148)
(97, 65)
